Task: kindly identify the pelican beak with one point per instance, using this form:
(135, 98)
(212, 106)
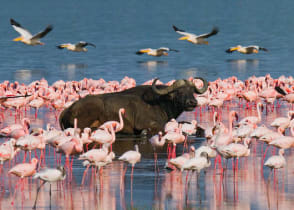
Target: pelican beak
(41, 43)
(234, 48)
(206, 42)
(183, 38)
(17, 39)
(144, 51)
(165, 53)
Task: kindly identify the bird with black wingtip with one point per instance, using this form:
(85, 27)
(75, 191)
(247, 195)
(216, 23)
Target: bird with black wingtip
(193, 38)
(156, 52)
(78, 47)
(246, 49)
(26, 37)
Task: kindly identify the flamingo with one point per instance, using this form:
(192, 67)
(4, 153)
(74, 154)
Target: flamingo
(210, 152)
(171, 125)
(8, 129)
(7, 151)
(253, 119)
(23, 170)
(156, 142)
(179, 161)
(49, 175)
(118, 126)
(260, 131)
(276, 161)
(283, 122)
(131, 157)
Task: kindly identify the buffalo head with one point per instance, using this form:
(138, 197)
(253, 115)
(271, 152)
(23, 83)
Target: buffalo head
(181, 92)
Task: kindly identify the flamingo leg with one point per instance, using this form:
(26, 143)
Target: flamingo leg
(38, 190)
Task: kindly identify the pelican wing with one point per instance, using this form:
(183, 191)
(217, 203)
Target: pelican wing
(84, 44)
(22, 31)
(182, 32)
(213, 32)
(43, 33)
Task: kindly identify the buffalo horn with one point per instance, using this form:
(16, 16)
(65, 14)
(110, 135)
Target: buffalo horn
(168, 89)
(204, 88)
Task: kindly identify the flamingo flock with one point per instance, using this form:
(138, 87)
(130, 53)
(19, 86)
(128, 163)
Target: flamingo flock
(222, 141)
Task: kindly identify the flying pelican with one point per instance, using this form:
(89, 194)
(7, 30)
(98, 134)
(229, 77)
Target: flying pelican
(78, 47)
(193, 38)
(156, 52)
(26, 37)
(246, 49)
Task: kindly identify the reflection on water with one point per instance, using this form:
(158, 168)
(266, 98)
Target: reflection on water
(73, 66)
(152, 65)
(250, 187)
(27, 75)
(244, 65)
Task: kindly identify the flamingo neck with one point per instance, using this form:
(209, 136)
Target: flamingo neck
(258, 112)
(121, 121)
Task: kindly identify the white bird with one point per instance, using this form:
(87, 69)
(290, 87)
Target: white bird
(283, 122)
(210, 152)
(26, 37)
(253, 119)
(276, 161)
(246, 49)
(131, 157)
(156, 52)
(193, 38)
(78, 47)
(197, 163)
(49, 175)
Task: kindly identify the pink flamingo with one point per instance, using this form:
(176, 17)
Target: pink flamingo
(156, 142)
(8, 129)
(17, 133)
(36, 103)
(253, 119)
(179, 161)
(172, 125)
(276, 161)
(283, 122)
(23, 170)
(174, 138)
(118, 126)
(104, 136)
(284, 142)
(94, 156)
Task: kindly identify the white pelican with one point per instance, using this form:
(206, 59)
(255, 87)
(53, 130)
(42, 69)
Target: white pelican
(156, 52)
(193, 38)
(26, 37)
(246, 49)
(78, 47)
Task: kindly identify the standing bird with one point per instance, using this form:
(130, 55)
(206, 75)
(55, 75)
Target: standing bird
(276, 161)
(156, 52)
(49, 175)
(131, 157)
(78, 47)
(193, 38)
(26, 37)
(246, 49)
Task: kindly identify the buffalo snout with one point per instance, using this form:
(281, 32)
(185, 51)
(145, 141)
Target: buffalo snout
(191, 102)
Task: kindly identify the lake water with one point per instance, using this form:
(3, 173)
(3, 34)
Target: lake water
(119, 29)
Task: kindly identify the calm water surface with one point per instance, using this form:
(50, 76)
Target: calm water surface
(118, 29)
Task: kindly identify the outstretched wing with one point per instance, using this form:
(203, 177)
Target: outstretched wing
(84, 44)
(22, 31)
(182, 32)
(43, 33)
(213, 32)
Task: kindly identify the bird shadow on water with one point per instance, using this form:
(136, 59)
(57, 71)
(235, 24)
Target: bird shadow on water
(243, 64)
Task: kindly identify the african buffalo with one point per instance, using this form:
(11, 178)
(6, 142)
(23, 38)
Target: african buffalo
(147, 107)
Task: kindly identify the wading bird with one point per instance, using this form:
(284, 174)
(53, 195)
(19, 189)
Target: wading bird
(49, 175)
(193, 38)
(246, 49)
(26, 37)
(78, 47)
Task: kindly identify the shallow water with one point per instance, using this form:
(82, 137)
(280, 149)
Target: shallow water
(248, 188)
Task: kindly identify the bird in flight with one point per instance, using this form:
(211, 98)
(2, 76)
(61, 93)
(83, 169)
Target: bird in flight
(26, 37)
(246, 49)
(156, 52)
(78, 47)
(193, 38)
